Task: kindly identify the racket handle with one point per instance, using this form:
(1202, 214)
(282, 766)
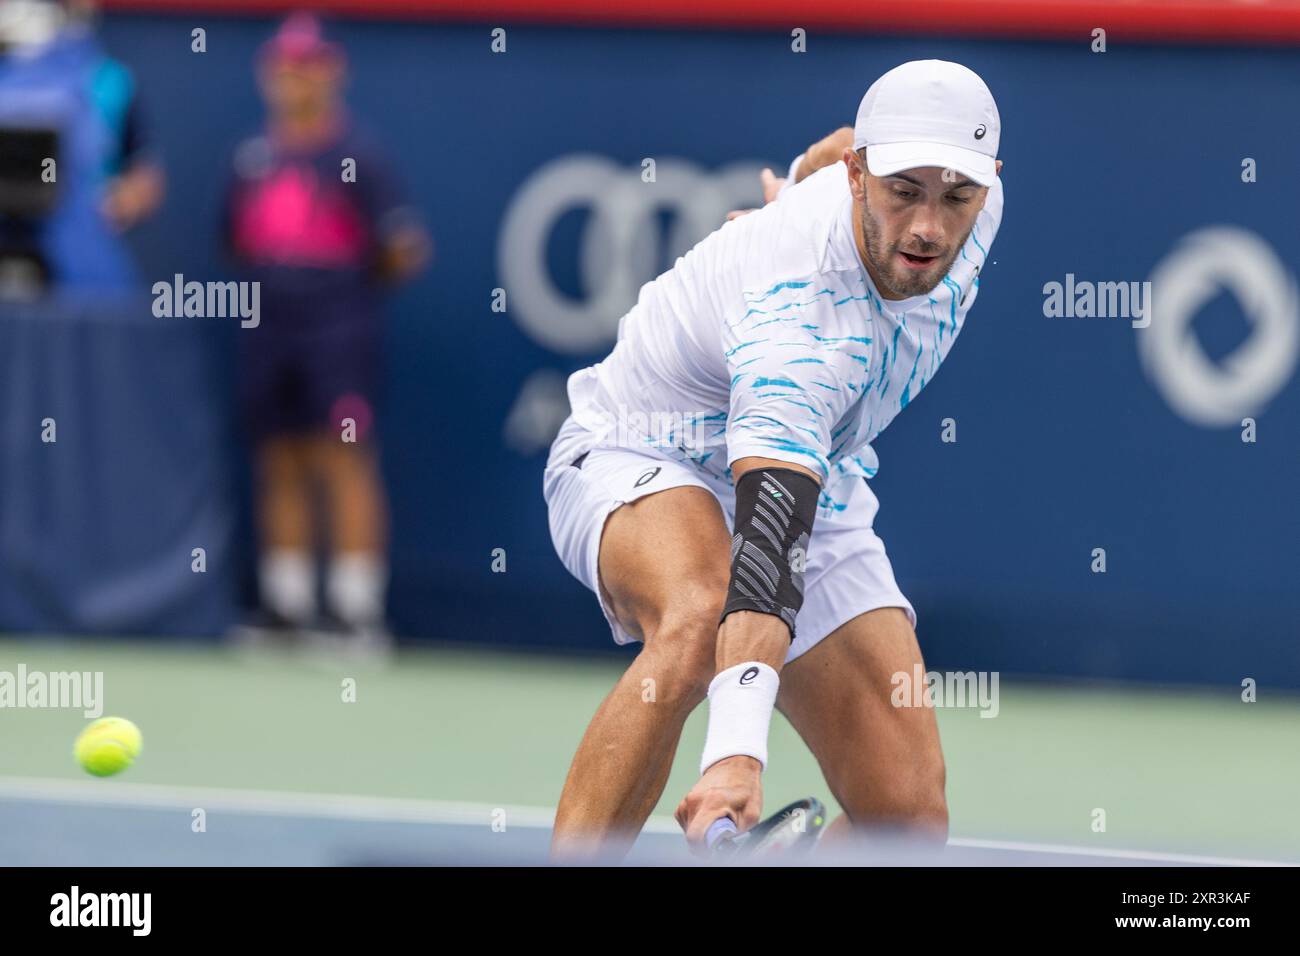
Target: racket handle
(723, 828)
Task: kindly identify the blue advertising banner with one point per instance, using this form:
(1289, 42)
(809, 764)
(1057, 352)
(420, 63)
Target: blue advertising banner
(1124, 394)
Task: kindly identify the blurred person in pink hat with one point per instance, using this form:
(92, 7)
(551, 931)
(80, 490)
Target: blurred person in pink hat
(315, 215)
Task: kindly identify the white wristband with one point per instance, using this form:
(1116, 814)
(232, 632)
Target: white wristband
(741, 699)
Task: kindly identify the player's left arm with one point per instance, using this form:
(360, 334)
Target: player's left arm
(776, 502)
(788, 389)
(756, 625)
(758, 628)
(825, 152)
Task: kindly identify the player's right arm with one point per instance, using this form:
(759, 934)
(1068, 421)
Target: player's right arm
(788, 389)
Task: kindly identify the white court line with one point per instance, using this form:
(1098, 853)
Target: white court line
(1152, 855)
(115, 793)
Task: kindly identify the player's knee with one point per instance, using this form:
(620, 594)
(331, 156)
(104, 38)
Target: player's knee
(917, 798)
(927, 804)
(683, 642)
(913, 799)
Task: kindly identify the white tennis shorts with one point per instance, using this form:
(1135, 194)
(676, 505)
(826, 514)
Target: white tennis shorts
(847, 574)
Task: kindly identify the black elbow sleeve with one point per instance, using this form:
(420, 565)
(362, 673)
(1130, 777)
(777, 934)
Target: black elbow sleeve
(775, 508)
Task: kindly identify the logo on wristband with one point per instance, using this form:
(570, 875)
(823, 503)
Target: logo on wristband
(748, 676)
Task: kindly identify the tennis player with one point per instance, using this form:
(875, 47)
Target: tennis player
(709, 484)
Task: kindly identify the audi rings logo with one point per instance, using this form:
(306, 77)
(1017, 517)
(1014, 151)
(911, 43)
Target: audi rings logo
(621, 246)
(1221, 393)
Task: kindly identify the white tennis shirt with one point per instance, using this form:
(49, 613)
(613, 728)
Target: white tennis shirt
(770, 339)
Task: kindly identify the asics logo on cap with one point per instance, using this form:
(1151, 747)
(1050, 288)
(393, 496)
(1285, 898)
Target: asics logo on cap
(929, 113)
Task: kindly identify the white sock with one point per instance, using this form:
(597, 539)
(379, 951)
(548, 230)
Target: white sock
(287, 581)
(355, 587)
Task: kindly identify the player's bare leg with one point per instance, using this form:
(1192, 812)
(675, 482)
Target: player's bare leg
(664, 566)
(884, 764)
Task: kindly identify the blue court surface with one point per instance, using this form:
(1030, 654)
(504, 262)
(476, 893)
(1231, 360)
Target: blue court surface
(61, 823)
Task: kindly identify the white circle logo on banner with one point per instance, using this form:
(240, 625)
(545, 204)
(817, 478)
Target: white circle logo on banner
(620, 246)
(1221, 393)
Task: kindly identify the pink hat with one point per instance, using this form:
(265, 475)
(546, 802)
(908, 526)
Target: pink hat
(299, 39)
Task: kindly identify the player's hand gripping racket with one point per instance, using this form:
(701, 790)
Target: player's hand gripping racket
(721, 835)
(791, 829)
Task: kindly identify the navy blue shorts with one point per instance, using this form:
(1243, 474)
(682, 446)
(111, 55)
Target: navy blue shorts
(296, 381)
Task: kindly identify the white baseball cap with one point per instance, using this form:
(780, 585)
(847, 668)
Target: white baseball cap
(930, 113)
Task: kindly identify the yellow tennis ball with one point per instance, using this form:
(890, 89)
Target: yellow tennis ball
(108, 746)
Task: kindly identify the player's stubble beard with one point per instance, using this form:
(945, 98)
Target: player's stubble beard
(890, 278)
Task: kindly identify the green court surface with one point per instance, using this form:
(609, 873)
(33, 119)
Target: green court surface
(1178, 771)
